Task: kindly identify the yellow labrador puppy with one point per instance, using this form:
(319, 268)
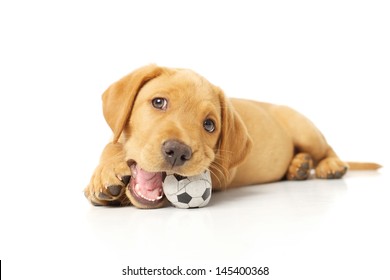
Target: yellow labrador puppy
(174, 120)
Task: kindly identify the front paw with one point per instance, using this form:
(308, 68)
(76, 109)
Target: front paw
(108, 183)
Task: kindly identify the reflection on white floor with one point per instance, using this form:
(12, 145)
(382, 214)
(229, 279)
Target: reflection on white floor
(316, 229)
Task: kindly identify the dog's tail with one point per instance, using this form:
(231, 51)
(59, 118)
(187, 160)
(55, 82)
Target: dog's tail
(363, 166)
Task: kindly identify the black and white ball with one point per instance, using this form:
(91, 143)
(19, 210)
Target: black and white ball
(188, 192)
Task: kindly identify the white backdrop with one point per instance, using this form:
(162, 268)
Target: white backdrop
(328, 59)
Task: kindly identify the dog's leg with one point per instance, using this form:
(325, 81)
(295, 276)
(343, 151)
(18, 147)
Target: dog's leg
(308, 139)
(331, 167)
(300, 167)
(109, 180)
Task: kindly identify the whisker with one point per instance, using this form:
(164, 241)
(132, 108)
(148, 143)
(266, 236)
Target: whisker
(222, 169)
(220, 173)
(219, 180)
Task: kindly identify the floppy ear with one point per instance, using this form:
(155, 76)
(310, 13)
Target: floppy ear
(235, 142)
(118, 99)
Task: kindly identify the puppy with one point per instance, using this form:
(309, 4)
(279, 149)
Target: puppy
(174, 120)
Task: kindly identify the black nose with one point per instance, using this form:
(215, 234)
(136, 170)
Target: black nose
(175, 152)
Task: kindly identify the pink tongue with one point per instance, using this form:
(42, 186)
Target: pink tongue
(149, 183)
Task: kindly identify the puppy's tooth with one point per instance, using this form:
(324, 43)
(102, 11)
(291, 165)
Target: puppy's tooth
(146, 198)
(141, 195)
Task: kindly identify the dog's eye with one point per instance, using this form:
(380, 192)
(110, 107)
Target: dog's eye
(160, 103)
(209, 125)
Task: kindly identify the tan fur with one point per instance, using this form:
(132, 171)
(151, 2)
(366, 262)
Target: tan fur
(253, 143)
(363, 166)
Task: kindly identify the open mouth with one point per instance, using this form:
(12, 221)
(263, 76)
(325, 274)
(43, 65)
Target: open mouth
(146, 187)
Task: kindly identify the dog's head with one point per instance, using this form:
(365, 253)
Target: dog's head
(175, 121)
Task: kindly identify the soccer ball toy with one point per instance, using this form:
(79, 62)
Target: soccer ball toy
(188, 192)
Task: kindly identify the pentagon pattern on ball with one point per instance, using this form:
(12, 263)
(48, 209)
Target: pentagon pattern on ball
(206, 194)
(179, 177)
(184, 198)
(188, 192)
